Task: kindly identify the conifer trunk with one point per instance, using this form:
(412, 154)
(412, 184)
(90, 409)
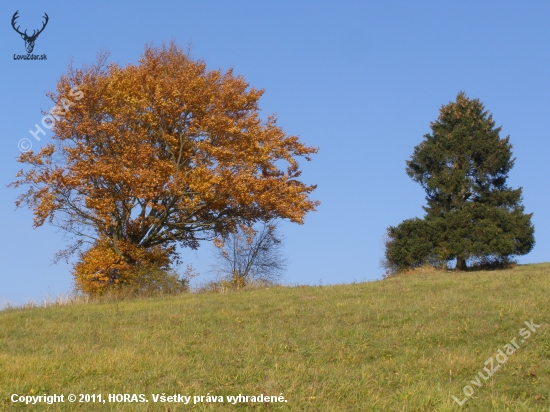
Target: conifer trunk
(461, 264)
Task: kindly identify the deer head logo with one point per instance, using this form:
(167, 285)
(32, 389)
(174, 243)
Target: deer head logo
(29, 40)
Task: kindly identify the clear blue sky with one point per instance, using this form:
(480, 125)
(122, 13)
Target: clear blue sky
(360, 80)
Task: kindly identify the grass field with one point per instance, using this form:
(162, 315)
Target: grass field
(407, 343)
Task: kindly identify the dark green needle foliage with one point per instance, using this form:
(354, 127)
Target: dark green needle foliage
(472, 215)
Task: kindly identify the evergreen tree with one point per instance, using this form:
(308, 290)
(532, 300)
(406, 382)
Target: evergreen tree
(471, 215)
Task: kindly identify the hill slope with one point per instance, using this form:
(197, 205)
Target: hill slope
(409, 343)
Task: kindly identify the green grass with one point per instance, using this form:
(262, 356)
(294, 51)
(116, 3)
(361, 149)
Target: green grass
(402, 344)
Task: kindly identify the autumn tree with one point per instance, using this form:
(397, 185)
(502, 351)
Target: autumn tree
(471, 215)
(250, 253)
(156, 155)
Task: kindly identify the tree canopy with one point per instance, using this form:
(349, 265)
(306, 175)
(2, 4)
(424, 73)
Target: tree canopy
(471, 214)
(156, 155)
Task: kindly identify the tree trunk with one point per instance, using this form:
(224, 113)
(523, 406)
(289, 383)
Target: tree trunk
(461, 264)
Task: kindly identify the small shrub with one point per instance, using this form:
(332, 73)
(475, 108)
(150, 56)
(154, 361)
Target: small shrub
(236, 282)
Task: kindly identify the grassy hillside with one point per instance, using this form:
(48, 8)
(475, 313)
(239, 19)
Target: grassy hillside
(403, 344)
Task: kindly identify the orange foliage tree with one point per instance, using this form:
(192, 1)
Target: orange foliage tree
(157, 155)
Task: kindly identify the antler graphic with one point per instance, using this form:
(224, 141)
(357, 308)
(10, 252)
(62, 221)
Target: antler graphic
(45, 16)
(29, 40)
(15, 16)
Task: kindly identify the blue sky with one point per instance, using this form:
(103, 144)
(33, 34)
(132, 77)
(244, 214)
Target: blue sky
(360, 80)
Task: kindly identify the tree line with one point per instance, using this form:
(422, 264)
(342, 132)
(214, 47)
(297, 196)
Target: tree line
(165, 154)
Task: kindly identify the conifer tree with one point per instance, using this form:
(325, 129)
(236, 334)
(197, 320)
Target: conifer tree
(471, 215)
